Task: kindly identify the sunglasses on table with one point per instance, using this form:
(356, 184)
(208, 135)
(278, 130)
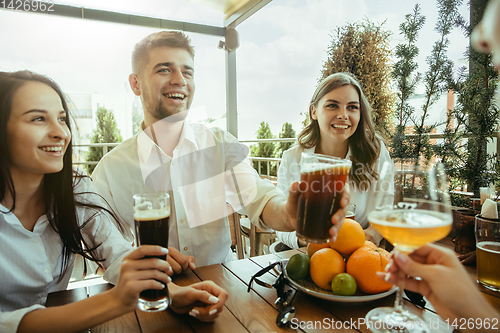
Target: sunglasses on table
(284, 301)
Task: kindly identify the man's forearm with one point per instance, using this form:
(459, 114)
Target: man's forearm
(275, 215)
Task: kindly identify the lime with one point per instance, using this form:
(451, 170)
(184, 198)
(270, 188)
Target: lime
(298, 266)
(344, 284)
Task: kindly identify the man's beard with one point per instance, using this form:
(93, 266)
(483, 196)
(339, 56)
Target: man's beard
(162, 113)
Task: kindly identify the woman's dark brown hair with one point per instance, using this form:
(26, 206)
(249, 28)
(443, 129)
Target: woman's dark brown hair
(58, 188)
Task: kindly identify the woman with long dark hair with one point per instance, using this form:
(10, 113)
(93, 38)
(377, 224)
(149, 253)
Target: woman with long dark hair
(340, 125)
(49, 213)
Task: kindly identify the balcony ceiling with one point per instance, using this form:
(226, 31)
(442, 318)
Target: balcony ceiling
(228, 7)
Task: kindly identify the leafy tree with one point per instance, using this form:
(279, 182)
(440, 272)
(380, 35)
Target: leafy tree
(263, 149)
(136, 122)
(450, 153)
(476, 115)
(137, 115)
(287, 131)
(406, 79)
(363, 49)
(436, 80)
(106, 132)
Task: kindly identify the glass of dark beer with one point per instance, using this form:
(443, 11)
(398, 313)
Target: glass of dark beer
(151, 215)
(322, 180)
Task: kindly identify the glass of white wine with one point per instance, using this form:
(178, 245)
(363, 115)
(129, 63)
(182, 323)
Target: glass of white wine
(412, 209)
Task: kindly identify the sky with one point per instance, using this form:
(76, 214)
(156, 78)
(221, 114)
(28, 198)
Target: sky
(282, 50)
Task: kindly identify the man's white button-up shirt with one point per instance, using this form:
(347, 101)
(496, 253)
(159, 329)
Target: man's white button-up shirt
(208, 168)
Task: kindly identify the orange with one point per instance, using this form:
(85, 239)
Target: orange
(370, 244)
(350, 237)
(363, 264)
(324, 265)
(312, 248)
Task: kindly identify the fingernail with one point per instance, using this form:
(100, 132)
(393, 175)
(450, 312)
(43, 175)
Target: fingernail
(213, 299)
(194, 266)
(399, 256)
(170, 270)
(192, 313)
(344, 202)
(164, 250)
(214, 311)
(387, 277)
(163, 286)
(169, 279)
(388, 266)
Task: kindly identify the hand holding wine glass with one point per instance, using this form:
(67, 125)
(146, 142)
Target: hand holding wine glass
(415, 212)
(444, 282)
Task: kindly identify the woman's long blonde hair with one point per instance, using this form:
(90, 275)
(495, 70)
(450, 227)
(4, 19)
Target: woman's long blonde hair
(364, 144)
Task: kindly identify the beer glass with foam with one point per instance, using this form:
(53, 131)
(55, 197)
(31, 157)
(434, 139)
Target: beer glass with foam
(151, 215)
(322, 180)
(488, 252)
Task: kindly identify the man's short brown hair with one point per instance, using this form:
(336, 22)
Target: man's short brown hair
(158, 39)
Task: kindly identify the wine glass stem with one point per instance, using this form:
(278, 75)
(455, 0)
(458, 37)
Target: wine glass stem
(398, 303)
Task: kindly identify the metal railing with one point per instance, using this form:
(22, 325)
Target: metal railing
(268, 160)
(437, 136)
(269, 140)
(105, 149)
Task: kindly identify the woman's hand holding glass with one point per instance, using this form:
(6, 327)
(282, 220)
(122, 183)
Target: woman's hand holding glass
(138, 274)
(203, 300)
(441, 278)
(337, 218)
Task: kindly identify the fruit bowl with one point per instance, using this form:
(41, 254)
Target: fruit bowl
(307, 286)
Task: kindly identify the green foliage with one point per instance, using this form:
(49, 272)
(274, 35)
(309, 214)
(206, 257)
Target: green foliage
(437, 79)
(477, 119)
(136, 122)
(363, 49)
(263, 149)
(478, 115)
(497, 183)
(287, 131)
(450, 153)
(106, 132)
(458, 200)
(404, 73)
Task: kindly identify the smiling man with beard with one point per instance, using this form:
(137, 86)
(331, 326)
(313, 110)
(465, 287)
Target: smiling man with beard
(201, 168)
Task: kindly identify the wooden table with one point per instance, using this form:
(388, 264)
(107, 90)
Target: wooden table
(254, 311)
